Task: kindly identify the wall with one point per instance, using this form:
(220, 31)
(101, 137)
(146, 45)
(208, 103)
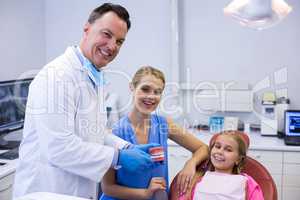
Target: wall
(212, 47)
(22, 34)
(147, 42)
(216, 48)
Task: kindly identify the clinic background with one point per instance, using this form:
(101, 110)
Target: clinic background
(190, 41)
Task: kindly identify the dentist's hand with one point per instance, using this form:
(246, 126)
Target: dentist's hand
(134, 159)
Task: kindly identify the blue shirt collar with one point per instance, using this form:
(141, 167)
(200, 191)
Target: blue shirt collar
(96, 75)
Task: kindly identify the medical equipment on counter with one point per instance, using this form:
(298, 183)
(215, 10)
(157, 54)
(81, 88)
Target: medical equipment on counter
(216, 124)
(282, 104)
(292, 127)
(268, 117)
(231, 123)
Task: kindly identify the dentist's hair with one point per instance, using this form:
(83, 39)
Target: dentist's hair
(109, 7)
(242, 150)
(147, 70)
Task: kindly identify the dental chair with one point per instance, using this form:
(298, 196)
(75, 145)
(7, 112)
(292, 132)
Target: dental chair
(252, 167)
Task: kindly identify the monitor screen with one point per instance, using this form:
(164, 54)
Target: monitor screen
(292, 123)
(13, 98)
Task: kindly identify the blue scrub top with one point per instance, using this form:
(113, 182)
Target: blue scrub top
(158, 133)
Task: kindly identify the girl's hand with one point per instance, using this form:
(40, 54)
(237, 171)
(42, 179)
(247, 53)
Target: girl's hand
(156, 183)
(185, 177)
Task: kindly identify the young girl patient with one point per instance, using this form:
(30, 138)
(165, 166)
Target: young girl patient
(224, 180)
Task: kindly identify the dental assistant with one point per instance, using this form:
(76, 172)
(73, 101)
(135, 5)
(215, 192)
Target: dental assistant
(143, 125)
(65, 148)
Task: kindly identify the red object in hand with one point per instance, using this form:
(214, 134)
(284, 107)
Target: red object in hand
(157, 153)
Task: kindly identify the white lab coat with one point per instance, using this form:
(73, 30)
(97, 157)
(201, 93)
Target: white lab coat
(64, 147)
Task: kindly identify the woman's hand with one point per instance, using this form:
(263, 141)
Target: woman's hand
(156, 183)
(185, 176)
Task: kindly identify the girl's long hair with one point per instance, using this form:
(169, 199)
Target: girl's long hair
(243, 144)
(242, 150)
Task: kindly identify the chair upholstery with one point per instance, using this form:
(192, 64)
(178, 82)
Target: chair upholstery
(252, 167)
(261, 175)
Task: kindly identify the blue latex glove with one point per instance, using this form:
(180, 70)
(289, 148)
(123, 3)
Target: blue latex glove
(134, 159)
(145, 147)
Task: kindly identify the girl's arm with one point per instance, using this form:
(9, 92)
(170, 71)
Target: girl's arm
(193, 144)
(110, 188)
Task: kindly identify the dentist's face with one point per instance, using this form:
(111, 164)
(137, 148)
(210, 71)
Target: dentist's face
(224, 154)
(147, 94)
(103, 39)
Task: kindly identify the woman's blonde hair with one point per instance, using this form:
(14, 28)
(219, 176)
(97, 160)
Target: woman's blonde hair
(147, 70)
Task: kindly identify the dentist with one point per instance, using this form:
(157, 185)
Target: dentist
(65, 148)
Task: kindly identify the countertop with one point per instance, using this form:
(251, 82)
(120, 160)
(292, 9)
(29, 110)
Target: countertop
(48, 196)
(257, 142)
(9, 167)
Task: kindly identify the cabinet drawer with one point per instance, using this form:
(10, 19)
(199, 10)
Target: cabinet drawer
(266, 156)
(177, 156)
(6, 182)
(175, 165)
(291, 157)
(291, 181)
(238, 96)
(273, 168)
(207, 104)
(291, 169)
(238, 100)
(6, 194)
(239, 107)
(178, 151)
(290, 193)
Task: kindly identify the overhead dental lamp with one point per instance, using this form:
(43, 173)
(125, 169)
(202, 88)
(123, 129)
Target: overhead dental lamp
(258, 14)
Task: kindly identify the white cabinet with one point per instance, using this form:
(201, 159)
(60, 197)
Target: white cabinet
(213, 96)
(284, 167)
(291, 176)
(177, 156)
(207, 100)
(238, 100)
(272, 160)
(6, 184)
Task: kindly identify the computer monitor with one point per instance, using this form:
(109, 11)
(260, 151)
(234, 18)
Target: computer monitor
(13, 98)
(292, 123)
